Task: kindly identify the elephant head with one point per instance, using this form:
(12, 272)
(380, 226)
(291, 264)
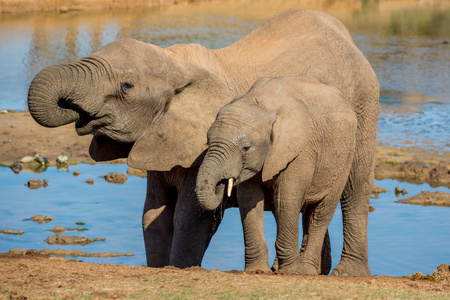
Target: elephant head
(136, 99)
(262, 131)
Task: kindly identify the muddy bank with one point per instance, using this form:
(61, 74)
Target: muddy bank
(22, 136)
(414, 165)
(426, 198)
(24, 6)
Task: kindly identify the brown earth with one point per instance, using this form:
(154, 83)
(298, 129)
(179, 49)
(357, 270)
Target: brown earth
(35, 276)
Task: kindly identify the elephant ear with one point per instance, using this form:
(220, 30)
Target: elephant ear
(178, 138)
(291, 132)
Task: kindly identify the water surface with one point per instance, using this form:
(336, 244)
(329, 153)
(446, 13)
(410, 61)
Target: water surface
(403, 239)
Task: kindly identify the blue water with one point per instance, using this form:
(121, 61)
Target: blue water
(403, 239)
(406, 48)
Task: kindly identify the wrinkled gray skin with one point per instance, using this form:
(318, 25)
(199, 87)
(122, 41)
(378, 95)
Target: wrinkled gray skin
(154, 106)
(289, 141)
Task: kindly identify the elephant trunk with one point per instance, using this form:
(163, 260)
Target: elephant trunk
(57, 93)
(215, 173)
(47, 94)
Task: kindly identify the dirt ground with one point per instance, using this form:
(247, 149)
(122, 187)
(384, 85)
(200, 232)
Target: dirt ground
(35, 276)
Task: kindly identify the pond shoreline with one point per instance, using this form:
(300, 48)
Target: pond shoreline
(27, 6)
(22, 136)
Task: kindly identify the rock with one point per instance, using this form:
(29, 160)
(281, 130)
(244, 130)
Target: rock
(399, 191)
(60, 229)
(114, 177)
(378, 190)
(40, 219)
(62, 160)
(76, 173)
(18, 251)
(90, 181)
(35, 184)
(9, 231)
(442, 273)
(26, 159)
(63, 239)
(418, 275)
(41, 159)
(427, 198)
(16, 167)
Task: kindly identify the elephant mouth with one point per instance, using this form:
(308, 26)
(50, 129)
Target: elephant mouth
(91, 125)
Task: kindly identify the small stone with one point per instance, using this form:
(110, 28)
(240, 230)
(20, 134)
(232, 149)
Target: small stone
(418, 276)
(26, 159)
(62, 159)
(9, 231)
(41, 159)
(114, 177)
(399, 191)
(35, 184)
(16, 167)
(18, 251)
(378, 190)
(58, 229)
(90, 181)
(76, 173)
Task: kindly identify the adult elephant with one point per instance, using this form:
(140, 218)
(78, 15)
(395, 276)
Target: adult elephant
(155, 106)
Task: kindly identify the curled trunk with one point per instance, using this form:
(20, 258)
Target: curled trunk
(219, 169)
(58, 95)
(210, 186)
(47, 94)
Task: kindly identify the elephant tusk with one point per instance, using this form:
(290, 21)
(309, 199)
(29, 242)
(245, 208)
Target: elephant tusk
(230, 186)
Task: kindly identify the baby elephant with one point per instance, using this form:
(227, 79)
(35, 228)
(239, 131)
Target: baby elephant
(288, 141)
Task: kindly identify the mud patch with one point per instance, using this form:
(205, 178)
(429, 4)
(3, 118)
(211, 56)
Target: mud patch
(426, 198)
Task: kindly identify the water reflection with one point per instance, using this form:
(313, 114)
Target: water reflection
(34, 41)
(403, 238)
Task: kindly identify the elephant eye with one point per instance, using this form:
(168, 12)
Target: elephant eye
(246, 147)
(126, 86)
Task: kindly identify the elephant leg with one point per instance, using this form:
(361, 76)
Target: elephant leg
(355, 208)
(251, 206)
(325, 259)
(193, 227)
(319, 217)
(287, 210)
(157, 220)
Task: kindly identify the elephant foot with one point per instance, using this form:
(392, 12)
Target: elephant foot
(351, 268)
(258, 268)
